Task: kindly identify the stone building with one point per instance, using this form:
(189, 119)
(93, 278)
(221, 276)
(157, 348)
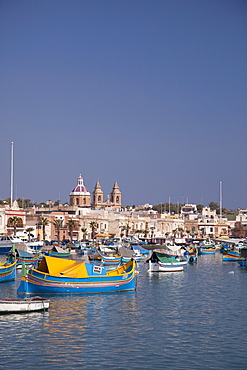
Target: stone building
(80, 195)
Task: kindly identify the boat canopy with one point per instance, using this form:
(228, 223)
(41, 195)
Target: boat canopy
(21, 253)
(173, 247)
(57, 249)
(63, 267)
(163, 258)
(125, 252)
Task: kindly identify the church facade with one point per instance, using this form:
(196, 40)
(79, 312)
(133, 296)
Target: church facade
(81, 197)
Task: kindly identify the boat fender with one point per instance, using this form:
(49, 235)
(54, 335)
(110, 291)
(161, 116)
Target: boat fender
(191, 259)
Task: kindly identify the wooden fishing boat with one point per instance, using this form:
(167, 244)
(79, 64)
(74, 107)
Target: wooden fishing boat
(231, 255)
(8, 305)
(110, 259)
(191, 255)
(161, 262)
(207, 247)
(58, 252)
(57, 276)
(7, 270)
(25, 257)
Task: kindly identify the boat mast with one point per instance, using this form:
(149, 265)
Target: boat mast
(220, 199)
(11, 173)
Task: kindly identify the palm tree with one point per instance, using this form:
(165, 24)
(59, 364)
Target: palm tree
(145, 232)
(71, 224)
(58, 223)
(138, 232)
(93, 226)
(14, 222)
(29, 230)
(127, 228)
(84, 230)
(44, 222)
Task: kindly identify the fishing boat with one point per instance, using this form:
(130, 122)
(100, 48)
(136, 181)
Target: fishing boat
(25, 257)
(162, 262)
(110, 259)
(231, 255)
(191, 255)
(7, 270)
(9, 305)
(232, 251)
(207, 247)
(58, 252)
(57, 276)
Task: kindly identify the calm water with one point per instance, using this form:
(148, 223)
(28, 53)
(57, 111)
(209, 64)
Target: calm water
(194, 319)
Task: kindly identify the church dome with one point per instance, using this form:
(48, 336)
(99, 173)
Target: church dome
(80, 189)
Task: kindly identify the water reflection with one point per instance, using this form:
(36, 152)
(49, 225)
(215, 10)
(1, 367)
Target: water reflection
(175, 320)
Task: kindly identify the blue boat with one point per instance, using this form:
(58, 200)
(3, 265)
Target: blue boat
(191, 255)
(25, 257)
(7, 270)
(58, 252)
(63, 276)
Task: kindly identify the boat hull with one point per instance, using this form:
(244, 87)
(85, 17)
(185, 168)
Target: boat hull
(97, 281)
(5, 249)
(207, 251)
(7, 273)
(166, 267)
(58, 254)
(8, 306)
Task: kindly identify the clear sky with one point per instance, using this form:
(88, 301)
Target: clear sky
(151, 93)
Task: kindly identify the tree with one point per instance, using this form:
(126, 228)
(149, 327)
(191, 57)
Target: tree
(127, 229)
(84, 231)
(213, 206)
(199, 208)
(44, 222)
(93, 226)
(58, 224)
(14, 222)
(145, 232)
(71, 224)
(138, 232)
(29, 230)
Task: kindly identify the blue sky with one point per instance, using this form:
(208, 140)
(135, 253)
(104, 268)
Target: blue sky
(149, 93)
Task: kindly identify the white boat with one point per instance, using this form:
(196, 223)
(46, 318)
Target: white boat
(160, 262)
(31, 304)
(6, 242)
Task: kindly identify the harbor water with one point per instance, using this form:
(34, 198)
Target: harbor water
(195, 319)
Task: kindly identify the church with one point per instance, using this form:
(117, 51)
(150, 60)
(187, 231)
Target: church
(81, 197)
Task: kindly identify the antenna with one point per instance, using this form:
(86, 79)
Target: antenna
(11, 173)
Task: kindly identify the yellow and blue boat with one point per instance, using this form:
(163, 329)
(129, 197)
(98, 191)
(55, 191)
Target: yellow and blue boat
(58, 252)
(63, 276)
(191, 255)
(231, 255)
(207, 247)
(25, 257)
(7, 270)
